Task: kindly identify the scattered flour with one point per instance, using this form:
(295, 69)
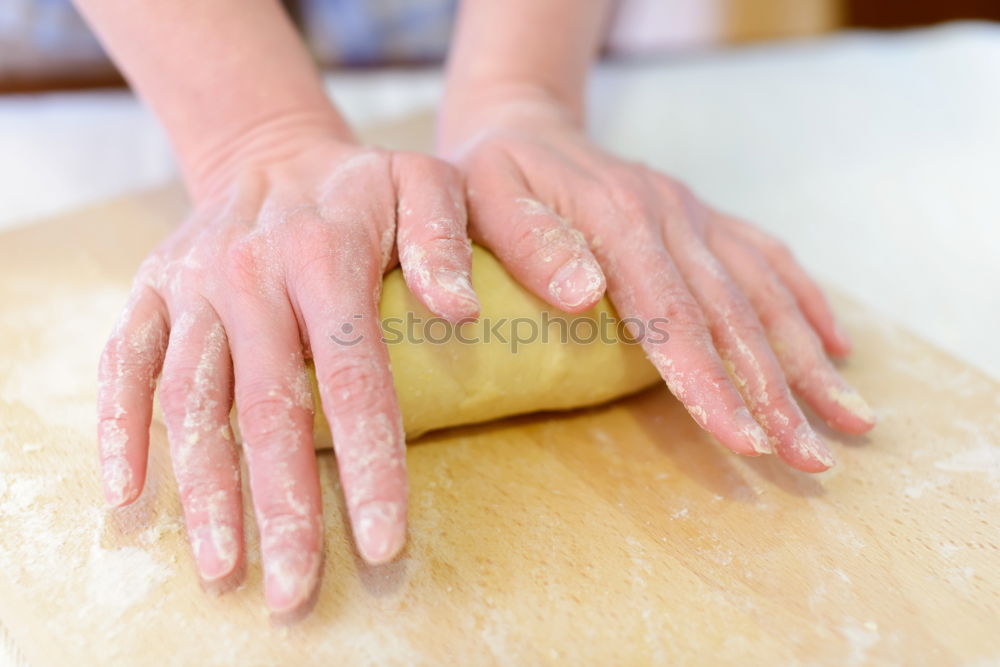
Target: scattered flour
(117, 579)
(861, 639)
(43, 536)
(985, 458)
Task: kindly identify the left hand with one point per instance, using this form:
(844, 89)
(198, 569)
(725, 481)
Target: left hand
(282, 260)
(746, 323)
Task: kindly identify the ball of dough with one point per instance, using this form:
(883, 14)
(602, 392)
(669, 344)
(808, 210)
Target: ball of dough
(511, 368)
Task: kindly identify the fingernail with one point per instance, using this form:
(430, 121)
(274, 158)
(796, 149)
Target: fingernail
(289, 578)
(116, 476)
(215, 551)
(849, 399)
(458, 284)
(808, 444)
(749, 427)
(380, 531)
(576, 283)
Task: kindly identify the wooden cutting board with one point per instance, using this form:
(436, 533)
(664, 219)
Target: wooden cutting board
(614, 535)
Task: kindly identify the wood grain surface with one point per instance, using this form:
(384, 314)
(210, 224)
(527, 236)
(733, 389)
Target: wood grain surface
(615, 535)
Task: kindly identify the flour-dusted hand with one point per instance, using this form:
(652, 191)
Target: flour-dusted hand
(292, 228)
(285, 260)
(569, 220)
(745, 322)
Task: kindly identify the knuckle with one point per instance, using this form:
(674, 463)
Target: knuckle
(314, 261)
(282, 521)
(111, 418)
(444, 250)
(150, 269)
(266, 418)
(628, 199)
(684, 314)
(175, 387)
(263, 404)
(446, 225)
(295, 220)
(546, 244)
(251, 266)
(451, 248)
(308, 231)
(127, 362)
(353, 380)
(522, 242)
(243, 263)
(742, 312)
(201, 489)
(181, 393)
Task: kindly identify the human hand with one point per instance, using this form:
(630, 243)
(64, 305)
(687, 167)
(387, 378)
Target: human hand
(284, 254)
(746, 323)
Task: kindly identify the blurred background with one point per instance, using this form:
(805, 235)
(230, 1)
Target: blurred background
(45, 45)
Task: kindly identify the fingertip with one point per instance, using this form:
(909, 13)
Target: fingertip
(578, 285)
(753, 434)
(839, 345)
(118, 501)
(380, 530)
(842, 335)
(851, 425)
(741, 434)
(815, 466)
(290, 578)
(806, 451)
(226, 582)
(216, 551)
(118, 482)
(749, 441)
(456, 300)
(838, 403)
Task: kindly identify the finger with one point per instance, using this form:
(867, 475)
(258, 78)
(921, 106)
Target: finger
(744, 348)
(539, 248)
(434, 248)
(359, 401)
(809, 297)
(274, 408)
(796, 344)
(647, 288)
(196, 396)
(127, 375)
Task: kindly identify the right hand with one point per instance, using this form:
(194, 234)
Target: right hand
(280, 258)
(747, 325)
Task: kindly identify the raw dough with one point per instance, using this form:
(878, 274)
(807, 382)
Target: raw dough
(452, 383)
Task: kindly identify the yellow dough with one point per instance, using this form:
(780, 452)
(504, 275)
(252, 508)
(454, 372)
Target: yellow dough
(452, 383)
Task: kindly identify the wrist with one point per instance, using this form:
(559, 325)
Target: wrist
(469, 109)
(209, 166)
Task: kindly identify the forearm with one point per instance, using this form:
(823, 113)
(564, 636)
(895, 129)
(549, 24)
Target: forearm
(520, 48)
(227, 78)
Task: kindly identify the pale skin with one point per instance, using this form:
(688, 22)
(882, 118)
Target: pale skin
(294, 224)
